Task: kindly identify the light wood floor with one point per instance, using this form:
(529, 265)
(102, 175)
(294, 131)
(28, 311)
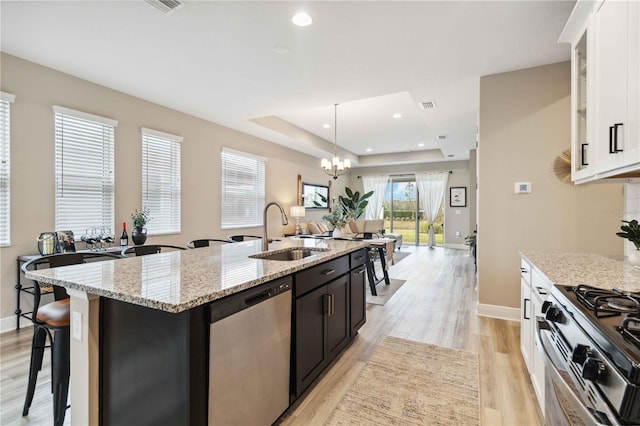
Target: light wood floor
(436, 305)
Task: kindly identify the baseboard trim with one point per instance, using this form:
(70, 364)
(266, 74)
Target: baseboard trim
(499, 312)
(456, 246)
(9, 323)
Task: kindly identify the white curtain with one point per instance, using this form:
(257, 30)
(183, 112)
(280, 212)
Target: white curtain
(377, 184)
(432, 187)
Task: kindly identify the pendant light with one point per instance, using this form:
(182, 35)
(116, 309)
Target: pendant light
(335, 167)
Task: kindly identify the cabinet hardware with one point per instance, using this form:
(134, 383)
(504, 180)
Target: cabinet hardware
(541, 291)
(523, 270)
(360, 271)
(333, 304)
(327, 304)
(328, 272)
(615, 137)
(611, 151)
(524, 314)
(583, 155)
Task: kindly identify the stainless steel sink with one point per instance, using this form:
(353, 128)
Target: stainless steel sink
(291, 253)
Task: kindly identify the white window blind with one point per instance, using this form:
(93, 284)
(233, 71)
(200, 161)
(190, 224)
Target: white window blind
(243, 183)
(84, 146)
(161, 181)
(5, 170)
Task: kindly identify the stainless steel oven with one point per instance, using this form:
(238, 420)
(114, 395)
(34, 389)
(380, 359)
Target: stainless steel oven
(591, 370)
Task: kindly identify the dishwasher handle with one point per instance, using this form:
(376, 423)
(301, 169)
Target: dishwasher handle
(249, 301)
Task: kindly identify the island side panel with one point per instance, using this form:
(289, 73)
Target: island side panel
(154, 365)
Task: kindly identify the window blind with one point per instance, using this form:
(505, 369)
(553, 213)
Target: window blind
(243, 181)
(161, 181)
(84, 179)
(5, 169)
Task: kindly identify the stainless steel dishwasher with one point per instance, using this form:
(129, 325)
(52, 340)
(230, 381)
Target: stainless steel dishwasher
(249, 357)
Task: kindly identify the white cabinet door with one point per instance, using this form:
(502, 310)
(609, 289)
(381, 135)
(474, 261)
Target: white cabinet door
(526, 343)
(616, 94)
(537, 369)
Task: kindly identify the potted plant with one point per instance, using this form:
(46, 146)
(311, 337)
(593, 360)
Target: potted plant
(335, 219)
(631, 231)
(353, 204)
(140, 219)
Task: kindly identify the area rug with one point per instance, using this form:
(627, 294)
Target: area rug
(411, 383)
(384, 291)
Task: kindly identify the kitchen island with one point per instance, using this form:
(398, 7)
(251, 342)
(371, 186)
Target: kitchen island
(163, 296)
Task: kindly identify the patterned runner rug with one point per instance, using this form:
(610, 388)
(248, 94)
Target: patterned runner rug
(412, 383)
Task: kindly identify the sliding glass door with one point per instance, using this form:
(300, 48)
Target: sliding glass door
(403, 213)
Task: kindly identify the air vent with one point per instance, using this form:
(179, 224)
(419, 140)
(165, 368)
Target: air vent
(428, 104)
(442, 138)
(166, 6)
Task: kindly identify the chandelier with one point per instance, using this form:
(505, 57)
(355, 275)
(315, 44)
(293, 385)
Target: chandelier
(335, 167)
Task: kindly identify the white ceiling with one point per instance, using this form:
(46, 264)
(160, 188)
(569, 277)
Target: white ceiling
(217, 60)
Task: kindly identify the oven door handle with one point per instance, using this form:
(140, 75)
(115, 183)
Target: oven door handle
(576, 403)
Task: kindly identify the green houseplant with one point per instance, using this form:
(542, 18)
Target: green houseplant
(353, 204)
(335, 218)
(631, 231)
(140, 219)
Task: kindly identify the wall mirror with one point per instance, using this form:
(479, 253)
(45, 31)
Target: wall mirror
(315, 196)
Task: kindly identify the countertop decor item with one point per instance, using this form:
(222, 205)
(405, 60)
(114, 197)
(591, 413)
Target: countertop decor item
(631, 231)
(140, 219)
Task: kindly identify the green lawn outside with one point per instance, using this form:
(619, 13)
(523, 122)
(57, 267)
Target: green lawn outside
(407, 230)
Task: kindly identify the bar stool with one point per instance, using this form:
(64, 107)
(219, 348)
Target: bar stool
(243, 237)
(146, 249)
(54, 318)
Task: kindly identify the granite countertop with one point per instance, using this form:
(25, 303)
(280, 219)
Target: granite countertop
(180, 280)
(590, 269)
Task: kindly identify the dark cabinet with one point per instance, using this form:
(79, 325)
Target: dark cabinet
(329, 308)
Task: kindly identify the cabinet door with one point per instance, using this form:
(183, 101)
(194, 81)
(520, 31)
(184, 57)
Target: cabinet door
(338, 316)
(310, 333)
(537, 370)
(525, 323)
(357, 300)
(611, 84)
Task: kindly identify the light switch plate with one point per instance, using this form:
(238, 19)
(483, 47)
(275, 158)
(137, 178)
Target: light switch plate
(522, 187)
(76, 325)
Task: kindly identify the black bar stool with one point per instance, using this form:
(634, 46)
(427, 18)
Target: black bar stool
(54, 318)
(205, 242)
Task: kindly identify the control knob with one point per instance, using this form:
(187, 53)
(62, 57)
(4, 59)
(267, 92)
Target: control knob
(553, 314)
(593, 370)
(580, 353)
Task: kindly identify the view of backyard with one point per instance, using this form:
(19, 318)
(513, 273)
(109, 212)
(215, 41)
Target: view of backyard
(401, 211)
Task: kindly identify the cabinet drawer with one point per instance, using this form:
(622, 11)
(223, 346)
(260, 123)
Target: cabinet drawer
(315, 276)
(540, 284)
(358, 258)
(525, 270)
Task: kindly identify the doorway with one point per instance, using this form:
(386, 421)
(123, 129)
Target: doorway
(403, 213)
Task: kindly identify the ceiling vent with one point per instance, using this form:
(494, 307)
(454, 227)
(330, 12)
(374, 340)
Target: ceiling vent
(166, 6)
(428, 105)
(442, 138)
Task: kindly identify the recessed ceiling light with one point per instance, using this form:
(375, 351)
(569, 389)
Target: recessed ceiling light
(397, 115)
(420, 144)
(326, 126)
(281, 49)
(369, 150)
(302, 19)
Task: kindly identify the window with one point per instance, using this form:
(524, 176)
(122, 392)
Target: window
(83, 170)
(242, 189)
(5, 171)
(161, 181)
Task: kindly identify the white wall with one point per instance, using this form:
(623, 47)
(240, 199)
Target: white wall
(38, 88)
(631, 209)
(524, 125)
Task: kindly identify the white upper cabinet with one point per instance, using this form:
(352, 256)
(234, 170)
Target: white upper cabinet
(605, 90)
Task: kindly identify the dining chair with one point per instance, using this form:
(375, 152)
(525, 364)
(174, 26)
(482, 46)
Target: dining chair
(206, 242)
(243, 237)
(146, 249)
(54, 317)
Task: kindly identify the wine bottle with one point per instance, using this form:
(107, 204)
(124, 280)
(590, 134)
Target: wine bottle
(124, 237)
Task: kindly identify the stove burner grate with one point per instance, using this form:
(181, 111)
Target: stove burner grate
(606, 303)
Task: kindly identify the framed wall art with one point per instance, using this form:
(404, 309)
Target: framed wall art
(458, 196)
(315, 196)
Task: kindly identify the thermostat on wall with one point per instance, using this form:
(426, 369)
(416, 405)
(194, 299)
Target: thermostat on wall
(523, 187)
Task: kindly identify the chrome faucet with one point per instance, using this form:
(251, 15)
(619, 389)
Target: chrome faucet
(265, 235)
